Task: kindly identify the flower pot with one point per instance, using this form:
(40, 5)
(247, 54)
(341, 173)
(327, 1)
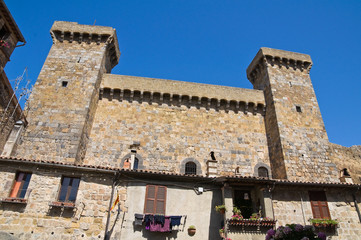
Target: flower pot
(222, 211)
(221, 234)
(191, 232)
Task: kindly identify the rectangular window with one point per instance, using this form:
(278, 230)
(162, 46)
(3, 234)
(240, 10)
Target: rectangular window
(319, 205)
(155, 199)
(69, 189)
(20, 185)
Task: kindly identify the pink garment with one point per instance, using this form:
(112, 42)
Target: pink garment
(157, 227)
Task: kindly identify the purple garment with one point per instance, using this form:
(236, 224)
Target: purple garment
(158, 227)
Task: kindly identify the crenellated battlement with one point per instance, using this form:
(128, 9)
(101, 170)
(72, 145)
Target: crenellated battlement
(78, 33)
(178, 93)
(275, 57)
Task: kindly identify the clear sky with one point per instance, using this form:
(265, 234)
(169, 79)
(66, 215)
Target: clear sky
(213, 42)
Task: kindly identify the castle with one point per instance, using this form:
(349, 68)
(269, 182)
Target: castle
(171, 148)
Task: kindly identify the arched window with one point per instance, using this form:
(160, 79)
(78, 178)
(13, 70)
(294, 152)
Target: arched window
(262, 172)
(190, 168)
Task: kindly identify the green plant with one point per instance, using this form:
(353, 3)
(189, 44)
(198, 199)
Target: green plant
(254, 216)
(236, 211)
(191, 227)
(221, 230)
(220, 208)
(323, 221)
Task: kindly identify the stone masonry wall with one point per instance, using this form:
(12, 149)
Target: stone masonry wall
(296, 130)
(289, 208)
(64, 98)
(36, 220)
(168, 134)
(347, 157)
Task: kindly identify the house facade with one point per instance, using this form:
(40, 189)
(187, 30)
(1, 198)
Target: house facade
(108, 156)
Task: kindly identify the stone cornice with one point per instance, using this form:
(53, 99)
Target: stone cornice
(178, 93)
(280, 58)
(78, 33)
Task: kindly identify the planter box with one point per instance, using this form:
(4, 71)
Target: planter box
(249, 222)
(15, 200)
(62, 204)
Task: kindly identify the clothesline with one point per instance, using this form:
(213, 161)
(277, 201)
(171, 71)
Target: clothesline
(159, 223)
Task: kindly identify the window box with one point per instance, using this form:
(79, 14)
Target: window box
(253, 222)
(324, 223)
(15, 200)
(62, 204)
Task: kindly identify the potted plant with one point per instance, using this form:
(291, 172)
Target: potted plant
(221, 232)
(236, 211)
(221, 209)
(191, 230)
(320, 222)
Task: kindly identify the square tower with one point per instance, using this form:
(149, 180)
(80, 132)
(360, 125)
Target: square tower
(65, 96)
(296, 135)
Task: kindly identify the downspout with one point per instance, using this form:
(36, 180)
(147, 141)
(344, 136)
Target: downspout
(270, 191)
(355, 201)
(107, 233)
(303, 212)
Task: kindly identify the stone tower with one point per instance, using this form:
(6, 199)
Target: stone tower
(296, 135)
(65, 96)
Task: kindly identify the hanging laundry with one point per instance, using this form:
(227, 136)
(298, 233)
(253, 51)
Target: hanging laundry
(138, 219)
(175, 221)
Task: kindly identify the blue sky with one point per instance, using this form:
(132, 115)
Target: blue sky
(214, 42)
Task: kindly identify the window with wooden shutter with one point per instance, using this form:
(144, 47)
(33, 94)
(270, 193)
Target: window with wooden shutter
(20, 185)
(69, 189)
(319, 205)
(155, 199)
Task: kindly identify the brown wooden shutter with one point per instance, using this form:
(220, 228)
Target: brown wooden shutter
(155, 199)
(319, 205)
(161, 199)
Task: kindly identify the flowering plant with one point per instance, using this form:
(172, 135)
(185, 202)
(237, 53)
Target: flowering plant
(4, 44)
(236, 211)
(320, 221)
(237, 217)
(254, 217)
(295, 232)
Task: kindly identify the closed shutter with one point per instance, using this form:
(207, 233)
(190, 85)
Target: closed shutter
(319, 205)
(155, 199)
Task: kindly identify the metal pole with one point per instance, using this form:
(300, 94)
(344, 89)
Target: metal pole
(106, 234)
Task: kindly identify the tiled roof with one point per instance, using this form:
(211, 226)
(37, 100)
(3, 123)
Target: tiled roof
(219, 179)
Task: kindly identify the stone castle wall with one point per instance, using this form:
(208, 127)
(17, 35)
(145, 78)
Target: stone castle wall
(347, 157)
(65, 95)
(297, 137)
(170, 131)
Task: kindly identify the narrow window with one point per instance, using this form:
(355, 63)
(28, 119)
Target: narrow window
(69, 189)
(262, 172)
(191, 168)
(319, 205)
(64, 83)
(155, 199)
(136, 163)
(298, 109)
(20, 185)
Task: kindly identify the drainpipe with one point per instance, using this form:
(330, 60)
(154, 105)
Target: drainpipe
(107, 233)
(270, 191)
(355, 201)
